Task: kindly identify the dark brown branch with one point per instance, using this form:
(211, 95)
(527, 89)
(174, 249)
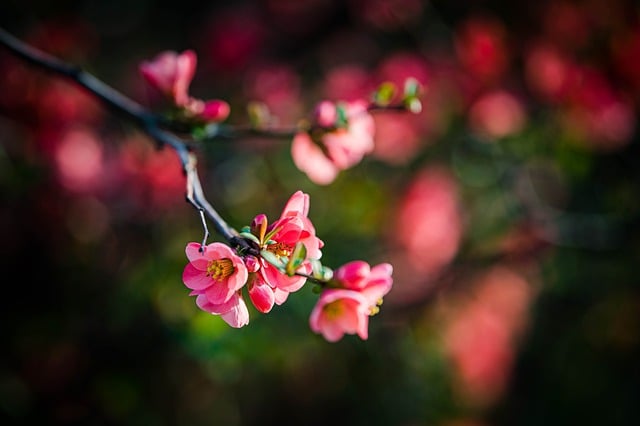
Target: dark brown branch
(149, 122)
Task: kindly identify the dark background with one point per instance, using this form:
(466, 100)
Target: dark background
(529, 310)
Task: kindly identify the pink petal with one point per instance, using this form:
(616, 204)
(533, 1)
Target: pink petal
(261, 295)
(219, 292)
(196, 257)
(298, 204)
(194, 278)
(310, 159)
(216, 309)
(352, 274)
(280, 296)
(238, 316)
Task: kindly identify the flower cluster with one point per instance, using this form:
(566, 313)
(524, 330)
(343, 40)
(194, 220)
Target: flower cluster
(171, 73)
(340, 136)
(289, 255)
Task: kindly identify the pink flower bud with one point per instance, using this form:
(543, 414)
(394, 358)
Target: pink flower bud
(252, 263)
(261, 295)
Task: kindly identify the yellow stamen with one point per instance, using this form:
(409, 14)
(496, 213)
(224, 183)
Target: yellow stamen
(333, 310)
(280, 249)
(220, 269)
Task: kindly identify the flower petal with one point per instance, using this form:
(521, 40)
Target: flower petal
(194, 278)
(238, 316)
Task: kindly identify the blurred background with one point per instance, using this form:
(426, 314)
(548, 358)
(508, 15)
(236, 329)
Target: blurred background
(508, 207)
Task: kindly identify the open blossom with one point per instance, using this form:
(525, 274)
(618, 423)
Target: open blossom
(340, 311)
(216, 274)
(346, 310)
(339, 147)
(171, 73)
(280, 239)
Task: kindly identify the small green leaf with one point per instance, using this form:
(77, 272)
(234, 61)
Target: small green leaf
(342, 120)
(272, 259)
(411, 88)
(259, 114)
(250, 236)
(384, 94)
(413, 105)
(296, 259)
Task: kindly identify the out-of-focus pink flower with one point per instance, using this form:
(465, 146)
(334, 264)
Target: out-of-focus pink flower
(277, 85)
(340, 311)
(79, 160)
(548, 72)
(481, 48)
(171, 73)
(214, 271)
(337, 149)
(347, 82)
(234, 37)
(428, 223)
(482, 332)
(397, 138)
(496, 115)
(152, 178)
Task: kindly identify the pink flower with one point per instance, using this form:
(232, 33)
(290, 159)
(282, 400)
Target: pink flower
(281, 237)
(340, 311)
(171, 73)
(373, 283)
(338, 148)
(347, 309)
(216, 273)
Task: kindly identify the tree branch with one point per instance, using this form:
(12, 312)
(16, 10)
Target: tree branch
(149, 122)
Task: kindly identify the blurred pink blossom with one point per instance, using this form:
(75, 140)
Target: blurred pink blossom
(482, 331)
(428, 222)
(152, 178)
(337, 148)
(79, 160)
(497, 114)
(480, 44)
(171, 73)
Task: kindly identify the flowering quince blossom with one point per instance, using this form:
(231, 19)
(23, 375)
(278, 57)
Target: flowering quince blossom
(346, 309)
(216, 274)
(171, 73)
(339, 145)
(280, 239)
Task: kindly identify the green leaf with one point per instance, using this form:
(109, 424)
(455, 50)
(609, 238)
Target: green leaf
(411, 88)
(272, 259)
(296, 259)
(342, 120)
(250, 236)
(384, 94)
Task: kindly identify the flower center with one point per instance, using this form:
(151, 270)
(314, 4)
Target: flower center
(333, 310)
(280, 249)
(220, 269)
